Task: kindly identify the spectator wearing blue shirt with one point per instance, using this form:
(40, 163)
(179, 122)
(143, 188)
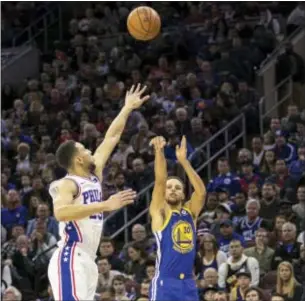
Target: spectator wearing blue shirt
(14, 213)
(226, 235)
(284, 150)
(225, 178)
(297, 167)
(170, 148)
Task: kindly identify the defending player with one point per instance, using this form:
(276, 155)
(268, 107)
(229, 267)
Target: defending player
(173, 224)
(78, 206)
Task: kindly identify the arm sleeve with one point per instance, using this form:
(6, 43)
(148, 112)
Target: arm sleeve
(222, 275)
(253, 267)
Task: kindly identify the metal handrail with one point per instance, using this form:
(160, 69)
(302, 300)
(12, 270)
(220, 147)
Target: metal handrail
(226, 147)
(262, 102)
(29, 30)
(277, 51)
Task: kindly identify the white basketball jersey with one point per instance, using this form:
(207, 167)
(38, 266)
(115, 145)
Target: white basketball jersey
(86, 233)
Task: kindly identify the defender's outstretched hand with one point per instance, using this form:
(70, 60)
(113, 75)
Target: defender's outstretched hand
(134, 97)
(121, 199)
(181, 151)
(158, 143)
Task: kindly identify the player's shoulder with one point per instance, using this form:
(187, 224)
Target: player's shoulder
(65, 183)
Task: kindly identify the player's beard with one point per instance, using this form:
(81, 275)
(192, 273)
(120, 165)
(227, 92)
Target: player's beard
(174, 202)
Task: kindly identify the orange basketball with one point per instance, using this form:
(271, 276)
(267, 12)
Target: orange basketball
(144, 23)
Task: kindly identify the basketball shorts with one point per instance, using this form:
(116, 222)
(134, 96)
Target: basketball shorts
(73, 274)
(172, 289)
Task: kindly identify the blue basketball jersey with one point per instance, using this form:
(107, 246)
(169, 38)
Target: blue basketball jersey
(176, 246)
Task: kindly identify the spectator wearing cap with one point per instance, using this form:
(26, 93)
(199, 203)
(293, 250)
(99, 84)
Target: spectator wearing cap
(243, 284)
(225, 178)
(261, 251)
(14, 213)
(248, 176)
(237, 262)
(223, 212)
(289, 248)
(250, 223)
(209, 293)
(227, 234)
(297, 167)
(282, 149)
(223, 194)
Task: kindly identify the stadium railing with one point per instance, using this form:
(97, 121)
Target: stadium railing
(281, 93)
(145, 195)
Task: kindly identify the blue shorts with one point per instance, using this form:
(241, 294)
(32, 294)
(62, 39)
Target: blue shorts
(173, 289)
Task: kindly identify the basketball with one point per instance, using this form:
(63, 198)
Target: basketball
(144, 23)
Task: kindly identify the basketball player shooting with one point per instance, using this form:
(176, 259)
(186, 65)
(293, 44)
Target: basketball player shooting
(174, 226)
(78, 206)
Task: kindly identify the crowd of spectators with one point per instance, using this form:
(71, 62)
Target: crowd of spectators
(199, 78)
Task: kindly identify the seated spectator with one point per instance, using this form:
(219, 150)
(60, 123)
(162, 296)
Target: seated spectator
(237, 262)
(139, 235)
(9, 247)
(299, 209)
(297, 167)
(284, 150)
(258, 151)
(286, 283)
(150, 269)
(107, 250)
(224, 179)
(209, 254)
(144, 289)
(254, 293)
(227, 233)
(289, 249)
(12, 293)
(240, 207)
(15, 213)
(268, 166)
(250, 223)
(243, 284)
(269, 202)
(299, 266)
(135, 266)
(43, 215)
(209, 279)
(277, 297)
(119, 288)
(261, 251)
(106, 274)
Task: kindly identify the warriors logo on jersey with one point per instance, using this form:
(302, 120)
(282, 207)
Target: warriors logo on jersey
(183, 237)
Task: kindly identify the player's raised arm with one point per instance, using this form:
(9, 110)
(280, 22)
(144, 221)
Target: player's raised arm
(196, 202)
(133, 100)
(158, 195)
(64, 191)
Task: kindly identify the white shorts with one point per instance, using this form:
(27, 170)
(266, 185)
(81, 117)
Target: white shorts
(73, 274)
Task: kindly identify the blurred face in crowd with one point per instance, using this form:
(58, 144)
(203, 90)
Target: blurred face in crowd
(144, 289)
(13, 196)
(284, 272)
(196, 125)
(17, 230)
(223, 196)
(301, 128)
(210, 276)
(37, 183)
(253, 190)
(288, 233)
(191, 80)
(143, 128)
(43, 211)
(243, 282)
(280, 140)
(212, 201)
(292, 111)
(247, 169)
(223, 167)
(275, 124)
(302, 252)
(103, 266)
(23, 150)
(269, 156)
(181, 114)
(150, 271)
(268, 192)
(209, 295)
(138, 165)
(208, 242)
(280, 167)
(170, 127)
(174, 193)
(253, 296)
(301, 194)
(277, 298)
(120, 180)
(9, 295)
(34, 201)
(220, 296)
(279, 222)
(252, 210)
(133, 254)
(240, 200)
(257, 144)
(138, 232)
(226, 230)
(261, 237)
(41, 228)
(236, 249)
(22, 242)
(242, 86)
(244, 155)
(162, 62)
(106, 248)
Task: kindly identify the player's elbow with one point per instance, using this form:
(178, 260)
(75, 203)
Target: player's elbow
(61, 215)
